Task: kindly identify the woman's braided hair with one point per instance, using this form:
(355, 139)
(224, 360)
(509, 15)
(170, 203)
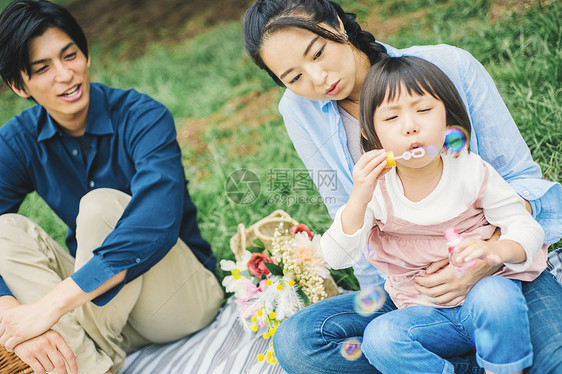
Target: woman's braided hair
(266, 16)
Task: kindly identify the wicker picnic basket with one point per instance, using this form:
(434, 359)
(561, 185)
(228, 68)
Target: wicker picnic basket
(10, 363)
(264, 230)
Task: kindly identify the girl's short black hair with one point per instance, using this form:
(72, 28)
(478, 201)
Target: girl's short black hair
(24, 20)
(267, 16)
(384, 82)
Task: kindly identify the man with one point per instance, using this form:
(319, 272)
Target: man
(108, 163)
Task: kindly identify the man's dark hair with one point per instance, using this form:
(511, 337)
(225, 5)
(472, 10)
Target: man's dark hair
(24, 20)
(384, 82)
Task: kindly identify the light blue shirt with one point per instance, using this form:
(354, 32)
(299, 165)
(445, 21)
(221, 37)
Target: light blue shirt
(317, 132)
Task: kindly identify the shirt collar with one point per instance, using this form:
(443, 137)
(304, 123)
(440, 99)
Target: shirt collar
(98, 122)
(323, 104)
(393, 52)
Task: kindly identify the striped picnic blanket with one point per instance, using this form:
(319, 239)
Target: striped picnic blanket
(223, 347)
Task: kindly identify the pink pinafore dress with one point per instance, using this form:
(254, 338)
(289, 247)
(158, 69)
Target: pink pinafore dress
(403, 250)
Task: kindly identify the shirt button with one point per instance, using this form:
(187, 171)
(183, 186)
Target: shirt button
(92, 184)
(138, 260)
(75, 152)
(526, 193)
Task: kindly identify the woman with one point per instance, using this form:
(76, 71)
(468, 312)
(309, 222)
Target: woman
(321, 55)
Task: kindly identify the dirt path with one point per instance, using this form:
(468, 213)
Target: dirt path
(137, 24)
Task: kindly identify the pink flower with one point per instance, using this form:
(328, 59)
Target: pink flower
(299, 228)
(256, 264)
(252, 291)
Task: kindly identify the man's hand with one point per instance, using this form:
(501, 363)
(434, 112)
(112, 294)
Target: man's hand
(443, 285)
(47, 352)
(23, 322)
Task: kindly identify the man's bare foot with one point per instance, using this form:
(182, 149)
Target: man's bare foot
(109, 372)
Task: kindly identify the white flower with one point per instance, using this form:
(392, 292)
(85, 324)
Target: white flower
(238, 286)
(308, 254)
(241, 265)
(227, 265)
(288, 302)
(237, 283)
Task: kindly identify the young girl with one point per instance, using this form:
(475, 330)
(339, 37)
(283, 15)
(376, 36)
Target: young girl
(397, 216)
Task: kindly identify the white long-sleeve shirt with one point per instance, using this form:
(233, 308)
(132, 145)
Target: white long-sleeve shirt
(459, 187)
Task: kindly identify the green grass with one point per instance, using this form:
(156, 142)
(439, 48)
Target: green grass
(193, 79)
(200, 78)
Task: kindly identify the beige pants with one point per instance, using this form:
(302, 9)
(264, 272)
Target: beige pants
(175, 298)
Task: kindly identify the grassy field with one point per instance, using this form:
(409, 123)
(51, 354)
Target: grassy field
(226, 109)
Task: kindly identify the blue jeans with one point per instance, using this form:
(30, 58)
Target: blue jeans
(415, 339)
(311, 340)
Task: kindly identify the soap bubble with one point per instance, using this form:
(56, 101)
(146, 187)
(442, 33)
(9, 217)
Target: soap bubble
(351, 349)
(455, 140)
(369, 252)
(425, 300)
(484, 341)
(369, 300)
(431, 151)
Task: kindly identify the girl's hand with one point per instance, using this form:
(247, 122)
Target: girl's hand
(469, 250)
(368, 169)
(493, 252)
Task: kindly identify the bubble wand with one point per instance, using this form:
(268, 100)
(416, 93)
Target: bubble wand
(453, 239)
(414, 153)
(454, 142)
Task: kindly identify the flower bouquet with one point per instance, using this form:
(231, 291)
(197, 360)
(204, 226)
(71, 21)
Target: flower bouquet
(277, 275)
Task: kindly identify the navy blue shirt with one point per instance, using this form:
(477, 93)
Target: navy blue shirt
(130, 145)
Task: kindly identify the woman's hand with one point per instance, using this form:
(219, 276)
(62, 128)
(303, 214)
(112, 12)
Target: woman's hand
(443, 285)
(368, 169)
(23, 322)
(47, 352)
